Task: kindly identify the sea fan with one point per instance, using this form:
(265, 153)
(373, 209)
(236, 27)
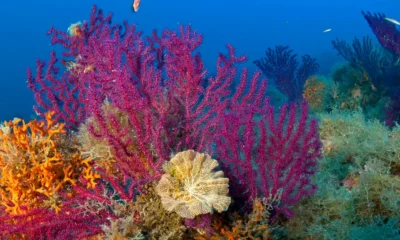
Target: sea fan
(191, 187)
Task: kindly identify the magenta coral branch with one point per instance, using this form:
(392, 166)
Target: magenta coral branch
(159, 83)
(168, 107)
(73, 44)
(45, 224)
(59, 93)
(273, 157)
(64, 92)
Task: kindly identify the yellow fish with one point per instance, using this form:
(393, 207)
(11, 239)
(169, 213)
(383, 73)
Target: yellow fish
(135, 5)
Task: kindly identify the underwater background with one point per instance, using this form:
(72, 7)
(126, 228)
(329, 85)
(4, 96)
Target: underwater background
(200, 120)
(250, 27)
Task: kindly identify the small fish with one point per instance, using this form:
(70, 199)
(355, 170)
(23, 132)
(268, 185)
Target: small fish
(75, 29)
(135, 5)
(392, 21)
(327, 30)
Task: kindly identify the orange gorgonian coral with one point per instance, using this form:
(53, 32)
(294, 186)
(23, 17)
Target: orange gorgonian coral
(37, 162)
(314, 92)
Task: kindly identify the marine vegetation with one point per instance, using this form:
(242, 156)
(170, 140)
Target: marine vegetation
(358, 178)
(358, 182)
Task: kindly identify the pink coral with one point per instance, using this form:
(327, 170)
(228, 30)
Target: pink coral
(273, 158)
(158, 83)
(162, 101)
(64, 92)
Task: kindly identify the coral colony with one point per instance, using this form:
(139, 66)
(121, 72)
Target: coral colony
(136, 140)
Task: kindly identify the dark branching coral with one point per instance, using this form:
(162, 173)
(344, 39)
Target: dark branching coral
(363, 55)
(282, 65)
(385, 31)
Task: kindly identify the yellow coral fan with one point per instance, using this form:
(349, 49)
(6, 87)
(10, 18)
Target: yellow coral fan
(38, 160)
(191, 187)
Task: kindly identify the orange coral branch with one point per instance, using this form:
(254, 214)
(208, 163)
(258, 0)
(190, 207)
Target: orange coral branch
(35, 167)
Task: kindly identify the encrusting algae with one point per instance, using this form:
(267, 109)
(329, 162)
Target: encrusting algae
(314, 91)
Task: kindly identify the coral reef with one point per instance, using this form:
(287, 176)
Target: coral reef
(135, 139)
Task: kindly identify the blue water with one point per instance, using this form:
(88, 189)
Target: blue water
(250, 26)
